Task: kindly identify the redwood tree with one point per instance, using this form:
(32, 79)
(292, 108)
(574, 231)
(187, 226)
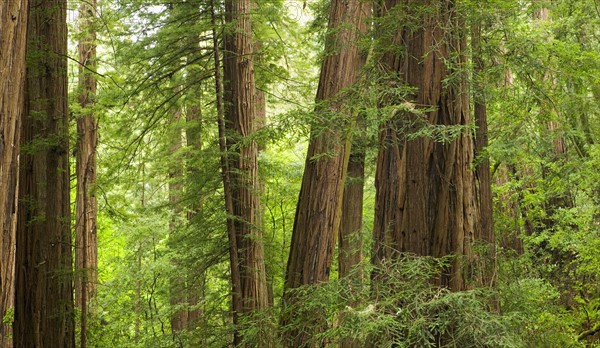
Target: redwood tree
(427, 199)
(482, 170)
(44, 276)
(13, 26)
(319, 209)
(86, 238)
(241, 123)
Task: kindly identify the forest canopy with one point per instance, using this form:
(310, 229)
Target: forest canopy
(285, 173)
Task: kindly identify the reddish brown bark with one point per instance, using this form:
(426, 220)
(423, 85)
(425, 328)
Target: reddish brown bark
(427, 202)
(86, 238)
(242, 124)
(482, 170)
(44, 275)
(13, 19)
(236, 303)
(319, 208)
(350, 246)
(350, 233)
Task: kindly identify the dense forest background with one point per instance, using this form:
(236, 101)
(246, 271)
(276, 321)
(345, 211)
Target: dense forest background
(270, 173)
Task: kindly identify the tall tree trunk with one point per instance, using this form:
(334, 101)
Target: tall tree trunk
(350, 233)
(193, 129)
(138, 294)
(86, 238)
(482, 171)
(350, 246)
(260, 102)
(241, 124)
(13, 29)
(319, 208)
(178, 293)
(427, 201)
(44, 274)
(558, 150)
(236, 303)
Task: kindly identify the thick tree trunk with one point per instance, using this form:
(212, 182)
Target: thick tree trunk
(44, 274)
(427, 202)
(319, 209)
(13, 28)
(86, 238)
(241, 124)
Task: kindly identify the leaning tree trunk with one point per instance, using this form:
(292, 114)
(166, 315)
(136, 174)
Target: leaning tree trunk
(427, 202)
(44, 275)
(86, 238)
(13, 28)
(241, 124)
(319, 208)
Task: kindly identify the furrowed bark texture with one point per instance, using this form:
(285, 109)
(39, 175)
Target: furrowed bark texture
(350, 253)
(350, 234)
(86, 238)
(482, 171)
(427, 199)
(13, 28)
(44, 275)
(236, 303)
(241, 124)
(319, 208)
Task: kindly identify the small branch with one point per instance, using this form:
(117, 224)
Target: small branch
(589, 333)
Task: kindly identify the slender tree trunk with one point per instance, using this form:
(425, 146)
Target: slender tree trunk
(44, 274)
(193, 129)
(427, 202)
(241, 124)
(319, 209)
(138, 295)
(508, 204)
(350, 233)
(482, 171)
(236, 302)
(86, 239)
(13, 29)
(558, 150)
(350, 247)
(350, 244)
(178, 292)
(260, 102)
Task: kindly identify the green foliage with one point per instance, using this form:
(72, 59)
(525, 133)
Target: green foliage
(9, 317)
(405, 310)
(156, 62)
